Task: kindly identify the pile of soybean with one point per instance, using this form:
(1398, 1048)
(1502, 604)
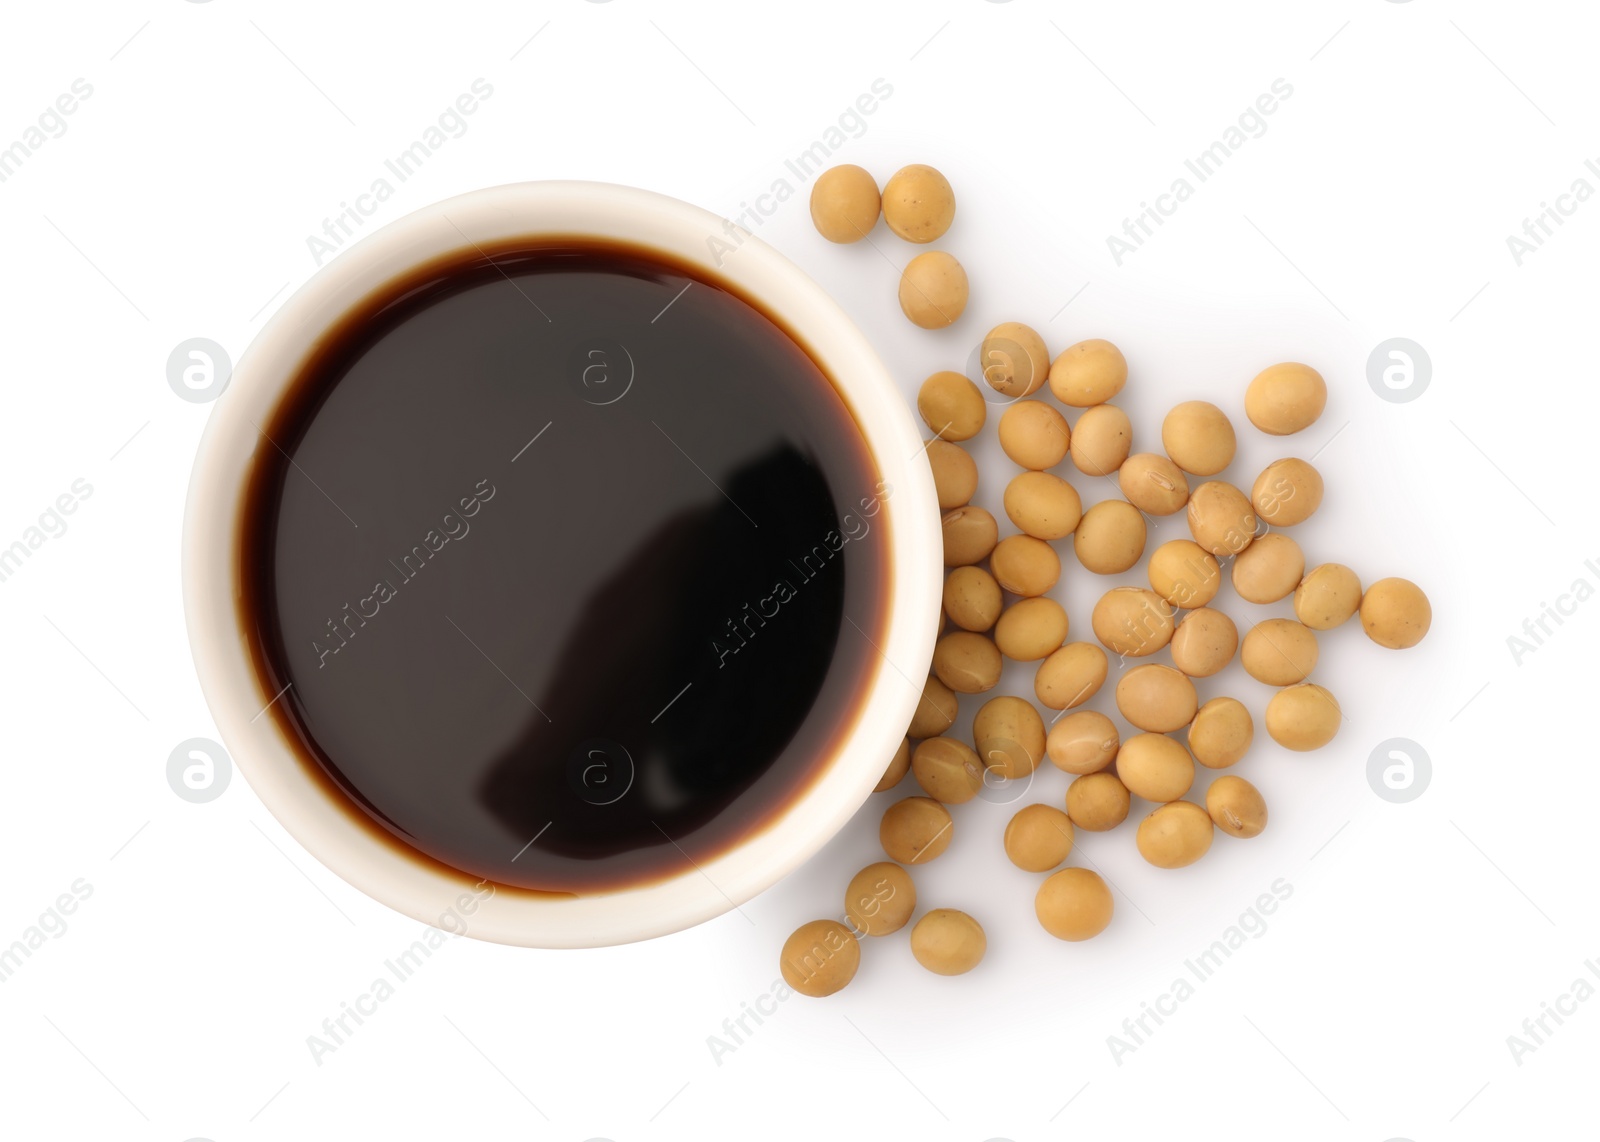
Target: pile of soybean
(996, 606)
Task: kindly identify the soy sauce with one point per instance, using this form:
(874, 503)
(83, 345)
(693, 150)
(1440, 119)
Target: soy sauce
(565, 564)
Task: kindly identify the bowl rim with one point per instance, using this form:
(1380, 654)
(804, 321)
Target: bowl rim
(324, 824)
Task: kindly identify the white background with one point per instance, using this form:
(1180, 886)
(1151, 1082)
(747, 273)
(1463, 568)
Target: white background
(1418, 937)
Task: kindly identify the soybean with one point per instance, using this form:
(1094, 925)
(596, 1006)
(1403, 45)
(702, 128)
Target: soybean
(1097, 802)
(952, 406)
(1175, 835)
(955, 473)
(819, 958)
(1287, 492)
(1153, 484)
(1285, 398)
(1132, 621)
(970, 533)
(1024, 565)
(918, 203)
(1070, 676)
(1013, 359)
(1185, 574)
(1221, 733)
(1101, 440)
(1155, 767)
(936, 710)
(1082, 742)
(1088, 373)
(1279, 652)
(1199, 437)
(1110, 537)
(845, 203)
(972, 598)
(1236, 807)
(1221, 519)
(1327, 596)
(1010, 737)
(1038, 838)
(1269, 569)
(1204, 642)
(967, 662)
(1395, 613)
(916, 830)
(1034, 435)
(899, 766)
(1074, 904)
(880, 899)
(1031, 629)
(1043, 505)
(948, 942)
(1303, 717)
(1156, 698)
(949, 771)
(933, 290)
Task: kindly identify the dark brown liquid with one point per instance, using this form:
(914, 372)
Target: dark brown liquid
(573, 573)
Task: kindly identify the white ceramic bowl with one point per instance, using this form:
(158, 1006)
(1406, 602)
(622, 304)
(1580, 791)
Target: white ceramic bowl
(336, 833)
